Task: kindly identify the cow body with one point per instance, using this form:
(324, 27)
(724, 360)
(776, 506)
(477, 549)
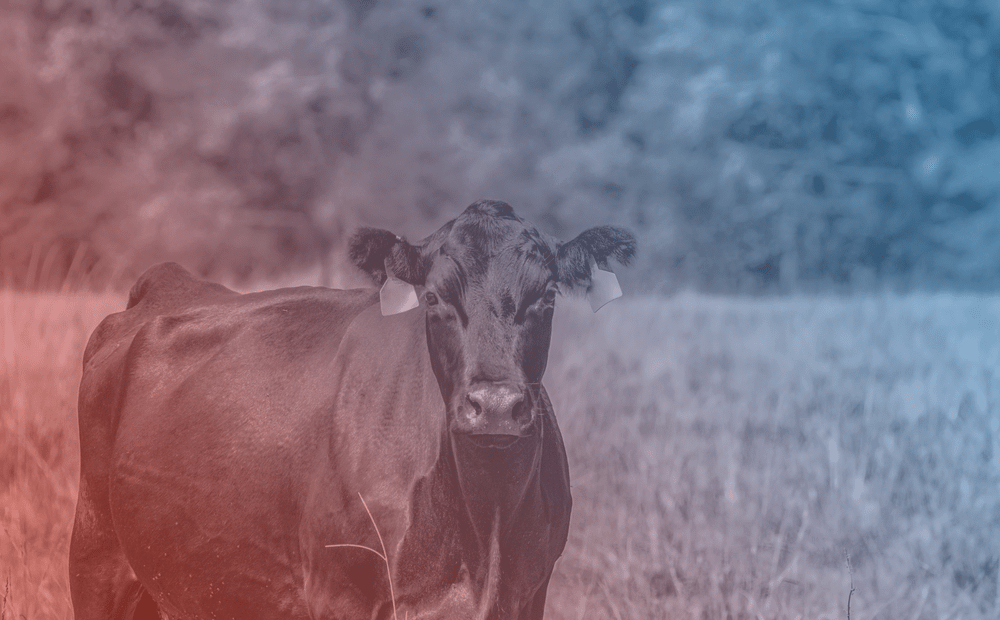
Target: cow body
(267, 455)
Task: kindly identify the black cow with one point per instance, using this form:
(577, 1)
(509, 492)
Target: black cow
(296, 454)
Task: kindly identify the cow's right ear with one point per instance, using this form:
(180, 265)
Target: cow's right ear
(373, 251)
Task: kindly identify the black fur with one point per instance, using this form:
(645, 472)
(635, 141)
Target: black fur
(371, 250)
(370, 247)
(598, 244)
(492, 208)
(136, 604)
(407, 263)
(368, 250)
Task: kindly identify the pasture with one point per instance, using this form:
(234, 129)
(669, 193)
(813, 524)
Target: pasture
(728, 455)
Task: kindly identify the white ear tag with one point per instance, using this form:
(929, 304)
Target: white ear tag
(603, 287)
(397, 296)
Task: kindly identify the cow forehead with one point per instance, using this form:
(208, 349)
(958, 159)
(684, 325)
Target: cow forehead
(502, 263)
(480, 244)
(488, 254)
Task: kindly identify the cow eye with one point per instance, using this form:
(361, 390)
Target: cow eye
(550, 296)
(431, 299)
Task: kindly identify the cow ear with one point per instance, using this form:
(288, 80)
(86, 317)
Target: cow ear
(374, 251)
(584, 262)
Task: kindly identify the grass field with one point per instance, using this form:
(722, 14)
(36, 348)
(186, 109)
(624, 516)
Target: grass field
(728, 456)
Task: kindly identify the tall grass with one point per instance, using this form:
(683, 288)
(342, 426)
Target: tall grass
(727, 456)
(43, 340)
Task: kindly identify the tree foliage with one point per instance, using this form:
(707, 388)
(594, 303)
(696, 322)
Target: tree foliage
(755, 146)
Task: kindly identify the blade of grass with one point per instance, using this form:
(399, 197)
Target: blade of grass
(383, 555)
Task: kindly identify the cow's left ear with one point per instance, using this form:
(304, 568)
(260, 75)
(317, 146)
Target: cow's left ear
(584, 262)
(373, 251)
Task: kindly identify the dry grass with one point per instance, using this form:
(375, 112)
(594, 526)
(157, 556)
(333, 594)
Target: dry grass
(42, 348)
(727, 456)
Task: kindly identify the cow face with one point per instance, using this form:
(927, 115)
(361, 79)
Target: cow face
(488, 283)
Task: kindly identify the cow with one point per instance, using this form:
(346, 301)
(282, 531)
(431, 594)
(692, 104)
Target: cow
(310, 453)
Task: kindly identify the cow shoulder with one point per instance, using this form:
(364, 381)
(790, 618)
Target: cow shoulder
(168, 285)
(163, 289)
(383, 377)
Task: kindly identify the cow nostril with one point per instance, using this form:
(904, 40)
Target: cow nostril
(477, 407)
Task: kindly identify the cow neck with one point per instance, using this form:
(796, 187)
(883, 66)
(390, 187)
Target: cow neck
(490, 489)
(495, 484)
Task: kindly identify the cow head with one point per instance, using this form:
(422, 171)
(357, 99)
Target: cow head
(488, 282)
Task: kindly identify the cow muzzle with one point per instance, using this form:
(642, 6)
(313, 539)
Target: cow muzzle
(495, 409)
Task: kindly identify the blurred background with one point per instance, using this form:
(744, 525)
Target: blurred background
(757, 147)
(798, 395)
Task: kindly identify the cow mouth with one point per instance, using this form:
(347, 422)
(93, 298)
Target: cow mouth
(496, 442)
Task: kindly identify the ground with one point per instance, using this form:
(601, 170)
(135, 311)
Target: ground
(731, 458)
